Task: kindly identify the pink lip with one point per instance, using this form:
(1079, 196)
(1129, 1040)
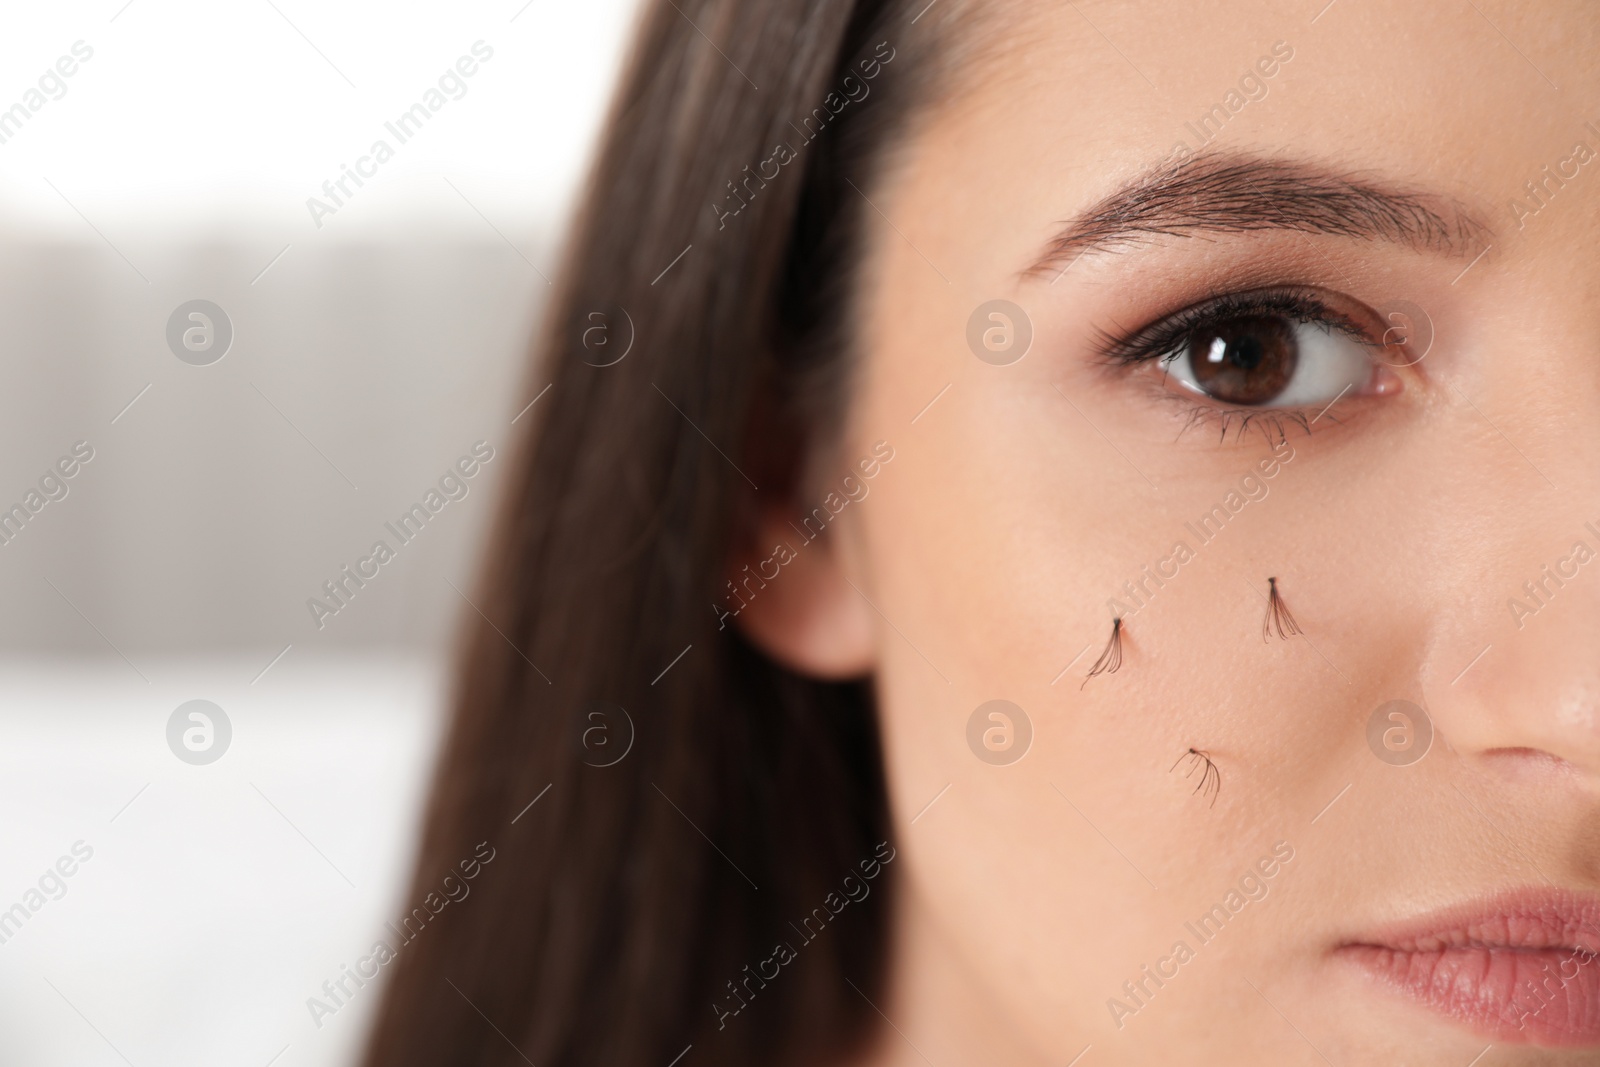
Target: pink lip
(1520, 967)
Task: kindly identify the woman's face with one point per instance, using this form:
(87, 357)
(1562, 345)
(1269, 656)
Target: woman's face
(1313, 296)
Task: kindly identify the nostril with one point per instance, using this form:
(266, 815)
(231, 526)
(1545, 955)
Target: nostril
(1523, 763)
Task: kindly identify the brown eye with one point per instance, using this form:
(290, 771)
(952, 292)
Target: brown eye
(1246, 360)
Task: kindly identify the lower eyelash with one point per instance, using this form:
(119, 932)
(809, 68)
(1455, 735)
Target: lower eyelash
(1272, 423)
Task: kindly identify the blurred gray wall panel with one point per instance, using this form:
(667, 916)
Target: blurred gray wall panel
(220, 498)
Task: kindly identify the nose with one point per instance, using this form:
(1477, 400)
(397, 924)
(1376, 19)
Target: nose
(1531, 691)
(1512, 672)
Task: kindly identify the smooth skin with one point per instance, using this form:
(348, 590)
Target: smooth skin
(1019, 503)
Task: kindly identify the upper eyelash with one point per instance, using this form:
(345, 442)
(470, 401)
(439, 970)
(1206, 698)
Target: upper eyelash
(1166, 338)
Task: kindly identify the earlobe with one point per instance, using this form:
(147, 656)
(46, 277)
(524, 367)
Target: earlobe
(795, 603)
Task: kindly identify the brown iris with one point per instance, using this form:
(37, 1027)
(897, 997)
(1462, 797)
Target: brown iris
(1245, 360)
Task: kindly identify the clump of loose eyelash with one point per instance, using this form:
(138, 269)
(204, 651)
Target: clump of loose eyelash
(1210, 783)
(1110, 659)
(1278, 617)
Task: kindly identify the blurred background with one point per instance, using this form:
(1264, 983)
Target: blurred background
(257, 341)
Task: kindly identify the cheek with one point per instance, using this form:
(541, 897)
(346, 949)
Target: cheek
(991, 567)
(996, 548)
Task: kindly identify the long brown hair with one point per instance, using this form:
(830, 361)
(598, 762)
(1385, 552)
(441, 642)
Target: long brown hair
(622, 907)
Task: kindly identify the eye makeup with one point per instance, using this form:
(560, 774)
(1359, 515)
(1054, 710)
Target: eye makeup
(1166, 337)
(1268, 358)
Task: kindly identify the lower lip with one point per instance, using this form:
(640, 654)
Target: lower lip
(1515, 974)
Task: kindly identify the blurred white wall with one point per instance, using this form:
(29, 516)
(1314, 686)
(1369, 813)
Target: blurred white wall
(194, 117)
(159, 152)
(215, 899)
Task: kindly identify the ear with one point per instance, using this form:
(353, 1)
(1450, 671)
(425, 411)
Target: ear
(798, 605)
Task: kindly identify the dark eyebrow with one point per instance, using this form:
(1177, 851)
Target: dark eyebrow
(1232, 194)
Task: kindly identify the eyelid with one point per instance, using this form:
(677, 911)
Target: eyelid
(1163, 338)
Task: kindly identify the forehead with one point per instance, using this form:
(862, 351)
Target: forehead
(1062, 103)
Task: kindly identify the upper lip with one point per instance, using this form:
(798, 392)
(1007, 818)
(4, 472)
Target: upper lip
(1528, 919)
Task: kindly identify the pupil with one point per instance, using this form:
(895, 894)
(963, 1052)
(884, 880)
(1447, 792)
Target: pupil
(1246, 353)
(1247, 360)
